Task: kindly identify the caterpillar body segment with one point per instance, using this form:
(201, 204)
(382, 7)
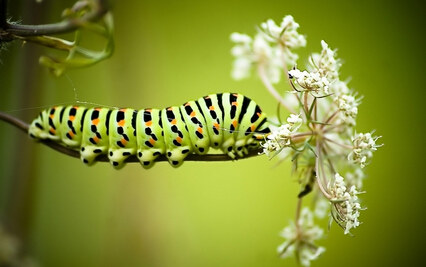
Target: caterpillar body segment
(229, 122)
(150, 136)
(176, 136)
(212, 110)
(196, 126)
(71, 125)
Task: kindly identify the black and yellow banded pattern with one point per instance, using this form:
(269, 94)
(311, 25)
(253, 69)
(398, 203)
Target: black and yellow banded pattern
(229, 122)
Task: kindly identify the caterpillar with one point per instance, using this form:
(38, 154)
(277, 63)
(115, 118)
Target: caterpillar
(229, 122)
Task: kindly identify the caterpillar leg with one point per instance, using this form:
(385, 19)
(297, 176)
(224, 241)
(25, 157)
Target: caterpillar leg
(89, 153)
(147, 157)
(118, 156)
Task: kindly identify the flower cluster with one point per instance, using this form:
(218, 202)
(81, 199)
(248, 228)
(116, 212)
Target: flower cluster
(364, 144)
(345, 202)
(301, 237)
(266, 50)
(310, 81)
(323, 72)
(280, 138)
(320, 140)
(348, 105)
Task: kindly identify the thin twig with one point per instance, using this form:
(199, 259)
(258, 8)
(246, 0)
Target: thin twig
(23, 126)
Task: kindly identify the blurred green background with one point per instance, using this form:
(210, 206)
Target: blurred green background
(211, 214)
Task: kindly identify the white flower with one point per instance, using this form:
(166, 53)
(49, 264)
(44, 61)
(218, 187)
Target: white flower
(364, 144)
(286, 36)
(327, 63)
(240, 38)
(280, 137)
(310, 81)
(249, 52)
(323, 72)
(302, 240)
(295, 121)
(348, 105)
(269, 56)
(345, 202)
(286, 33)
(241, 68)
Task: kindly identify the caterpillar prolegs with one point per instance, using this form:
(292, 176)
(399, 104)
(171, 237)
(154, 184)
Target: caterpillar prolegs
(229, 122)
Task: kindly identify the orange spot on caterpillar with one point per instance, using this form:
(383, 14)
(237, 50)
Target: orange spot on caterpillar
(121, 123)
(72, 118)
(259, 114)
(123, 109)
(235, 94)
(207, 97)
(170, 108)
(95, 121)
(192, 114)
(98, 109)
(96, 139)
(123, 141)
(71, 134)
(152, 141)
(186, 104)
(173, 122)
(148, 123)
(200, 130)
(179, 139)
(216, 125)
(148, 110)
(211, 108)
(234, 103)
(235, 122)
(51, 116)
(252, 127)
(53, 131)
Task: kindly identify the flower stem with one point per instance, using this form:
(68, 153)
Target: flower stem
(298, 209)
(271, 88)
(319, 171)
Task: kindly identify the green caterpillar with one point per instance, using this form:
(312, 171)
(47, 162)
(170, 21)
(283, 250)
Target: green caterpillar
(230, 122)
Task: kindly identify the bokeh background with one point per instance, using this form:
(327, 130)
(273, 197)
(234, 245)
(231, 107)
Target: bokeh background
(211, 214)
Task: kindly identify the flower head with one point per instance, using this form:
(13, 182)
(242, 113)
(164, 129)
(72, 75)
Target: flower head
(280, 137)
(364, 144)
(310, 81)
(301, 239)
(328, 64)
(346, 207)
(348, 106)
(249, 52)
(286, 33)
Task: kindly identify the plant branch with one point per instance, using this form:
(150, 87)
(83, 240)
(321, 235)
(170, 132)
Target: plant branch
(9, 31)
(23, 126)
